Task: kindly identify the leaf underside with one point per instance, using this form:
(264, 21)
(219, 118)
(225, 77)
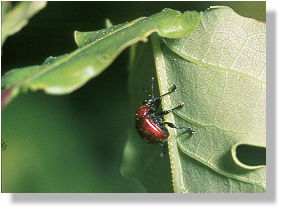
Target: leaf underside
(219, 70)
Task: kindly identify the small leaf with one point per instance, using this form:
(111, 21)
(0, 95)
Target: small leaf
(97, 51)
(14, 19)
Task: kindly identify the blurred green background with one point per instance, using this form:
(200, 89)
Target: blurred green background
(74, 143)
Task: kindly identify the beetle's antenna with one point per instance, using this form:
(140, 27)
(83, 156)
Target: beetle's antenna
(153, 86)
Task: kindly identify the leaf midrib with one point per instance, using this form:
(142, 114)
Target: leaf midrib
(125, 26)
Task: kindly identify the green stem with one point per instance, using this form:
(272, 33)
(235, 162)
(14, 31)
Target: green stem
(177, 180)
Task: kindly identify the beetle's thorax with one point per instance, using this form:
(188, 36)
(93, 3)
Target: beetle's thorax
(143, 110)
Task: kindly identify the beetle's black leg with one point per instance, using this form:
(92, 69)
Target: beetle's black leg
(174, 87)
(157, 100)
(153, 90)
(168, 111)
(171, 125)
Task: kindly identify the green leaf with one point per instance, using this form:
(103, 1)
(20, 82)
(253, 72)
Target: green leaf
(14, 19)
(219, 70)
(97, 51)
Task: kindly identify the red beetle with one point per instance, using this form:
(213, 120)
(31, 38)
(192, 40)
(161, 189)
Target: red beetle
(149, 124)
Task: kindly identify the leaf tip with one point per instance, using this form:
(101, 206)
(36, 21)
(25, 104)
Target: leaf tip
(108, 23)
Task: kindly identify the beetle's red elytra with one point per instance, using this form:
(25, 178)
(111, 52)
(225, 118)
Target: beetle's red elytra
(149, 127)
(149, 124)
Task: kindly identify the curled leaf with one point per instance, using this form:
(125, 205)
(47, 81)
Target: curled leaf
(97, 51)
(249, 156)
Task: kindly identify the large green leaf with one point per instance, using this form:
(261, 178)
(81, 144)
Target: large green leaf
(97, 51)
(220, 73)
(15, 18)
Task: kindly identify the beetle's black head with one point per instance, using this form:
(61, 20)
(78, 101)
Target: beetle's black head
(153, 103)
